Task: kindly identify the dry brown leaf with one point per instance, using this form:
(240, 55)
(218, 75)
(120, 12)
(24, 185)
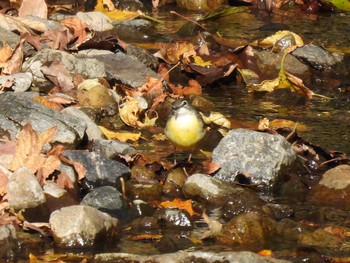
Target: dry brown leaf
(146, 237)
(5, 54)
(64, 181)
(42, 228)
(7, 147)
(23, 25)
(79, 168)
(14, 64)
(57, 73)
(47, 103)
(29, 146)
(33, 8)
(51, 163)
(81, 30)
(173, 53)
(193, 88)
(211, 167)
(109, 4)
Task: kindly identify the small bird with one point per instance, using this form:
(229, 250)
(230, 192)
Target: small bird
(184, 127)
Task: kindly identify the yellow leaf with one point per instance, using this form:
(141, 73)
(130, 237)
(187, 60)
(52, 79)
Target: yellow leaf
(200, 62)
(273, 39)
(148, 122)
(180, 204)
(216, 118)
(120, 136)
(129, 111)
(116, 14)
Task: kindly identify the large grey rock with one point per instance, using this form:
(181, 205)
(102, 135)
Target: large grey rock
(16, 110)
(106, 199)
(88, 67)
(260, 157)
(82, 226)
(24, 190)
(186, 256)
(127, 69)
(100, 170)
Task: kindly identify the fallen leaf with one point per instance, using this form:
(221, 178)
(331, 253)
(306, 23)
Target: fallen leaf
(33, 8)
(116, 14)
(57, 73)
(47, 103)
(216, 118)
(7, 147)
(109, 4)
(180, 204)
(23, 25)
(173, 53)
(5, 53)
(29, 146)
(81, 30)
(193, 88)
(265, 253)
(155, 237)
(51, 163)
(273, 39)
(78, 167)
(42, 228)
(14, 64)
(120, 136)
(211, 167)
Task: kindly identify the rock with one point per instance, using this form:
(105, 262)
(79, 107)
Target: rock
(97, 21)
(112, 148)
(200, 5)
(321, 238)
(172, 243)
(209, 190)
(56, 197)
(270, 63)
(133, 31)
(333, 189)
(126, 69)
(16, 110)
(140, 208)
(144, 191)
(187, 256)
(82, 226)
(87, 67)
(106, 199)
(260, 157)
(174, 182)
(143, 55)
(316, 56)
(21, 81)
(8, 37)
(24, 190)
(100, 170)
(93, 132)
(173, 218)
(251, 231)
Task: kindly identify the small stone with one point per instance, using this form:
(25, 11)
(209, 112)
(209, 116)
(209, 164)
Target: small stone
(173, 218)
(112, 148)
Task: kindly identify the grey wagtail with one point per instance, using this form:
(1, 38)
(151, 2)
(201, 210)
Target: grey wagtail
(184, 127)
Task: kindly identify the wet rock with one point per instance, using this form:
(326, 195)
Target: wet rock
(246, 201)
(24, 190)
(259, 157)
(316, 56)
(278, 211)
(320, 238)
(106, 199)
(174, 182)
(82, 226)
(112, 148)
(270, 63)
(143, 55)
(21, 81)
(97, 21)
(172, 243)
(148, 223)
(142, 174)
(87, 67)
(17, 109)
(200, 5)
(100, 170)
(93, 132)
(251, 231)
(289, 230)
(333, 189)
(140, 208)
(186, 256)
(144, 191)
(126, 69)
(133, 31)
(8, 242)
(173, 218)
(209, 190)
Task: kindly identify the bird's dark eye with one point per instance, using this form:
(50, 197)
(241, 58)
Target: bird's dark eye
(184, 103)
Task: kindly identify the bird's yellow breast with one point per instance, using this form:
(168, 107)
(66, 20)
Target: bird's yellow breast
(185, 129)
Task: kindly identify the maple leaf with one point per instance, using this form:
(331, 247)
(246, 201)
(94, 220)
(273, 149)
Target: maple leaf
(29, 146)
(180, 204)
